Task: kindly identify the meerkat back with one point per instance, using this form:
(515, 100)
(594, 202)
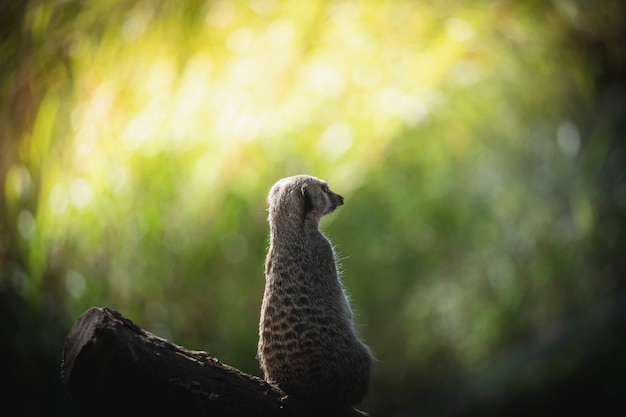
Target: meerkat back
(307, 342)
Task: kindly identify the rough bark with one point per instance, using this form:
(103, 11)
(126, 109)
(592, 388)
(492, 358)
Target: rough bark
(111, 367)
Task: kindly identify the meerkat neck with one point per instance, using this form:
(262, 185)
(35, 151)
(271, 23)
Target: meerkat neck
(291, 228)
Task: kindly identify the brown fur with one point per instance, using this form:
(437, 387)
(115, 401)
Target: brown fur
(307, 342)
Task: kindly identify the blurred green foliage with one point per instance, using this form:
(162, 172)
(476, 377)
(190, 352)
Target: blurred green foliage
(478, 145)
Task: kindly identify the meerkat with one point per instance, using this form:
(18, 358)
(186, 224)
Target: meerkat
(307, 342)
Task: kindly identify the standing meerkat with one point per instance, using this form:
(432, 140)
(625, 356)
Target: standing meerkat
(307, 342)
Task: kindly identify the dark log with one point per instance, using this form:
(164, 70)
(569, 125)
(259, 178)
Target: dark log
(112, 367)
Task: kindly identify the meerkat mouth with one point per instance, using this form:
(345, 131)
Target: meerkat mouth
(336, 200)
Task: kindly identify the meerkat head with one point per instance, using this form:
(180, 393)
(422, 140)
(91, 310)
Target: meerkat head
(302, 197)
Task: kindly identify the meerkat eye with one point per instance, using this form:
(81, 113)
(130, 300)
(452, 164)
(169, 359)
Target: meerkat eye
(325, 188)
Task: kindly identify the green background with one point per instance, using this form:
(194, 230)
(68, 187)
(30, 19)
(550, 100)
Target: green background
(479, 146)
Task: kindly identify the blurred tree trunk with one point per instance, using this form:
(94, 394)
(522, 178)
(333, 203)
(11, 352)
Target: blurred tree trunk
(17, 108)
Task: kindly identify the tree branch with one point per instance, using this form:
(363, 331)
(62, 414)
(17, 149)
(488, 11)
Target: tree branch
(110, 365)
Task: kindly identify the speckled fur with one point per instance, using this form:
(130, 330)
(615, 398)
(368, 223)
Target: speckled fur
(307, 342)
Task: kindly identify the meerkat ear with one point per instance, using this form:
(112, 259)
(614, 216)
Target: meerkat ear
(306, 196)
